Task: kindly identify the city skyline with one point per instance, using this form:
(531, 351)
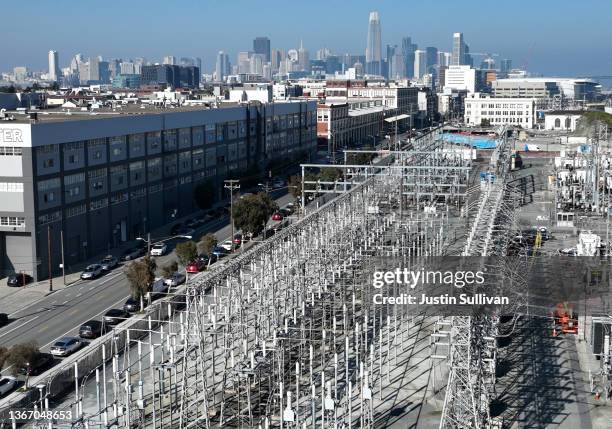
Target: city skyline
(544, 47)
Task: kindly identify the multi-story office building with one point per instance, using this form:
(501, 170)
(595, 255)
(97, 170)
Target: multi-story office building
(543, 87)
(373, 53)
(54, 70)
(126, 81)
(170, 75)
(499, 111)
(102, 179)
(261, 45)
(420, 63)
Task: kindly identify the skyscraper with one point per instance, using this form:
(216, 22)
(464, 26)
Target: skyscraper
(222, 66)
(420, 63)
(458, 57)
(303, 58)
(54, 70)
(261, 45)
(432, 59)
(170, 59)
(408, 49)
(373, 51)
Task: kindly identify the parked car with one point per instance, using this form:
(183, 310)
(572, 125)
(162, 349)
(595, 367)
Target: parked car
(132, 253)
(91, 272)
(91, 329)
(20, 279)
(38, 365)
(66, 346)
(3, 319)
(115, 316)
(159, 249)
(227, 245)
(220, 252)
(132, 305)
(7, 384)
(175, 279)
(158, 288)
(277, 216)
(195, 266)
(206, 260)
(108, 263)
(284, 212)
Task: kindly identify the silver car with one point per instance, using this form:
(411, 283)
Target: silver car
(175, 279)
(91, 272)
(108, 263)
(7, 384)
(65, 346)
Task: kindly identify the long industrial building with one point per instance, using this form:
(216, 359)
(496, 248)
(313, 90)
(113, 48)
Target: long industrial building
(102, 177)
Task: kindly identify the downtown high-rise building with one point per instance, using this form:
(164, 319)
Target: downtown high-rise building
(373, 53)
(420, 63)
(461, 51)
(222, 67)
(408, 49)
(432, 59)
(261, 45)
(170, 60)
(54, 70)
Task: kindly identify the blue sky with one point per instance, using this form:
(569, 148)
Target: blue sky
(559, 37)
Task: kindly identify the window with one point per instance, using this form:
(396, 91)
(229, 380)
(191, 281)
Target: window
(46, 185)
(10, 151)
(50, 217)
(76, 210)
(74, 179)
(557, 123)
(119, 198)
(12, 221)
(98, 204)
(48, 163)
(11, 187)
(568, 123)
(49, 197)
(73, 192)
(95, 174)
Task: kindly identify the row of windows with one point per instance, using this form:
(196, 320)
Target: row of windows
(11, 187)
(10, 151)
(76, 210)
(12, 221)
(50, 217)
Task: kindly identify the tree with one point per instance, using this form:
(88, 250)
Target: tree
(295, 186)
(20, 355)
(204, 194)
(253, 211)
(330, 174)
(207, 243)
(169, 269)
(3, 356)
(140, 275)
(186, 252)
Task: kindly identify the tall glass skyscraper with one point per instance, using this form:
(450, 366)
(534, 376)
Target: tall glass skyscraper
(261, 45)
(374, 47)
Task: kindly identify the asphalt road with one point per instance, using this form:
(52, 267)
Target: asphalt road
(62, 312)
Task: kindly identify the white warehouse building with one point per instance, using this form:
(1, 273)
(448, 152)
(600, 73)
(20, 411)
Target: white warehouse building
(498, 111)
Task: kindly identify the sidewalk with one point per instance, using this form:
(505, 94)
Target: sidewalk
(13, 299)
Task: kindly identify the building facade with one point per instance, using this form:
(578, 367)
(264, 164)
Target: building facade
(562, 120)
(481, 108)
(102, 180)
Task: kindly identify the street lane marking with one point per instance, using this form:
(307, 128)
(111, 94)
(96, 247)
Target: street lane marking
(89, 318)
(20, 326)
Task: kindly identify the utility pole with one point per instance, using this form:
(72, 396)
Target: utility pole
(63, 262)
(49, 258)
(232, 185)
(148, 244)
